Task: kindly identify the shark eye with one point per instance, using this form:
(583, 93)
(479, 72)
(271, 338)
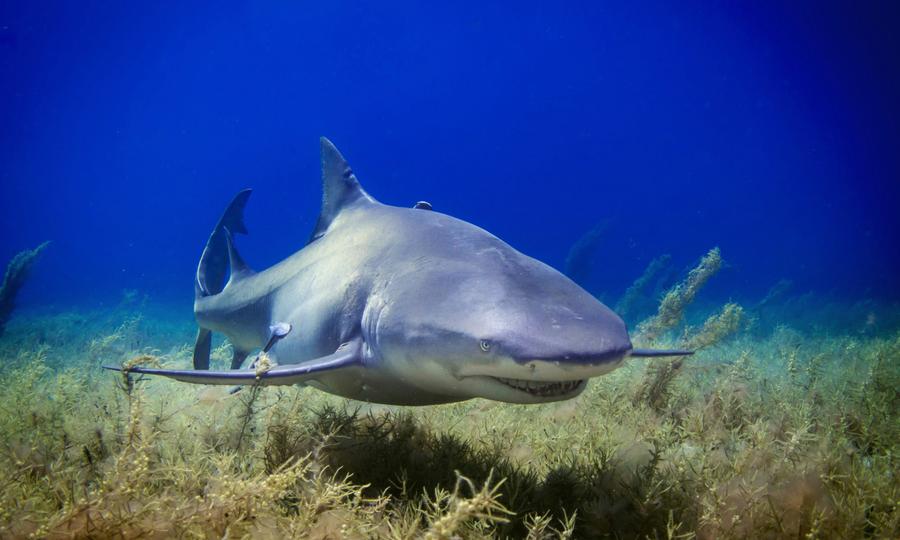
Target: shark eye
(485, 345)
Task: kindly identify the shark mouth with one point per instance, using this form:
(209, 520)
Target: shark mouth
(542, 388)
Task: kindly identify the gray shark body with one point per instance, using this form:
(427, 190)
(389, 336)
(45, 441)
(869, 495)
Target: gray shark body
(400, 306)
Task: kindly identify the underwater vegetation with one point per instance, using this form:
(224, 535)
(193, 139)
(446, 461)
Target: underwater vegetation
(636, 299)
(580, 260)
(673, 304)
(788, 432)
(16, 273)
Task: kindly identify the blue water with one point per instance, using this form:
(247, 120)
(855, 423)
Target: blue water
(771, 130)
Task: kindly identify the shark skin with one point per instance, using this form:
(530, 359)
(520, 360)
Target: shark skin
(403, 306)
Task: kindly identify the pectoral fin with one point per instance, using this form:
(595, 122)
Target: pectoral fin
(347, 355)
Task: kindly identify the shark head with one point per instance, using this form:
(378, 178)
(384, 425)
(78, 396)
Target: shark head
(477, 318)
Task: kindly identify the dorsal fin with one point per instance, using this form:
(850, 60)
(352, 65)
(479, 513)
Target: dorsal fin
(340, 188)
(238, 268)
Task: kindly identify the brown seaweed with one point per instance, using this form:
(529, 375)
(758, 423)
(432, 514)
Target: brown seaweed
(16, 273)
(788, 435)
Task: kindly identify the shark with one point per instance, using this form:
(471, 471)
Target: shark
(398, 305)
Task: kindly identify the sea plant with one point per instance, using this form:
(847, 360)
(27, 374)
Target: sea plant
(791, 434)
(17, 272)
(634, 296)
(671, 308)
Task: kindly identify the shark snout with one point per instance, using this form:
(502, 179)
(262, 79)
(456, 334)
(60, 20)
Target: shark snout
(546, 373)
(572, 365)
(576, 356)
(590, 358)
(580, 342)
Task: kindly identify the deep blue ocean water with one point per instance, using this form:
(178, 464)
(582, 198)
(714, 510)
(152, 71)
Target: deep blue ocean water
(771, 130)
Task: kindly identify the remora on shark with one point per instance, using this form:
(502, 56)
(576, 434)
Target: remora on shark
(401, 306)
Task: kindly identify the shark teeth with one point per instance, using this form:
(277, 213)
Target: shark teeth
(542, 388)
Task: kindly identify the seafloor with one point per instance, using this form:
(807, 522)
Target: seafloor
(785, 426)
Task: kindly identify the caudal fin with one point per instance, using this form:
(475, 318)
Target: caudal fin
(215, 264)
(213, 268)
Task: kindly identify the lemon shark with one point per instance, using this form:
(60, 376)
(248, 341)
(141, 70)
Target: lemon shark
(399, 305)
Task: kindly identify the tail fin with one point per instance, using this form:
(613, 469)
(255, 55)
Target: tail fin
(214, 266)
